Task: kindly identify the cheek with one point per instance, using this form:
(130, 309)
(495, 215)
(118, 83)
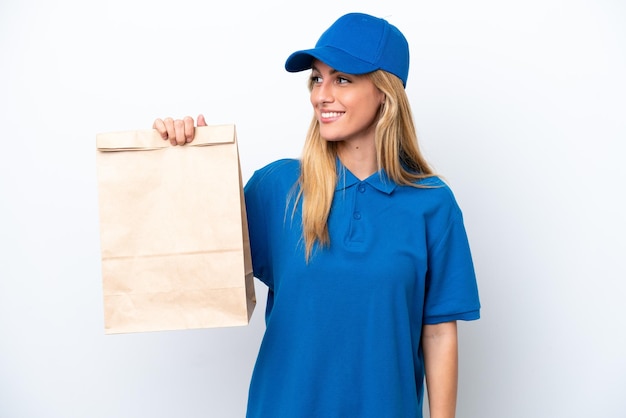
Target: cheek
(369, 103)
(370, 107)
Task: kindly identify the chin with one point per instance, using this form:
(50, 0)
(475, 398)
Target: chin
(331, 136)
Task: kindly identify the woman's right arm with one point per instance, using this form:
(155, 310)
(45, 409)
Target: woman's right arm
(177, 131)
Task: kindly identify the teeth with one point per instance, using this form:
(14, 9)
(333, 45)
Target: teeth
(330, 114)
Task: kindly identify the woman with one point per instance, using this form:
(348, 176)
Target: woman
(362, 247)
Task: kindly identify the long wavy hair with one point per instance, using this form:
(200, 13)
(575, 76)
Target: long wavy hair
(397, 153)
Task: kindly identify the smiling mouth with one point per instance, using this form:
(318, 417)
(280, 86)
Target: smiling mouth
(328, 115)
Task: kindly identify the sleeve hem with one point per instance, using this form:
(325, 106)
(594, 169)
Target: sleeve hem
(463, 316)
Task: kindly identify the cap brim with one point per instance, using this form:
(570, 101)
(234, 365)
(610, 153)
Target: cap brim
(333, 57)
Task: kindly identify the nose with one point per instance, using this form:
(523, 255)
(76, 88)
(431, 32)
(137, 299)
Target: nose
(322, 93)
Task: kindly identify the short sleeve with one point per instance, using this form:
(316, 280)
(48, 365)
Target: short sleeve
(451, 288)
(257, 227)
(266, 195)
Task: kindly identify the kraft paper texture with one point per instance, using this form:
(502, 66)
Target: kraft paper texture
(174, 238)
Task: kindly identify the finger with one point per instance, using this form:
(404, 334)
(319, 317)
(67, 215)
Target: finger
(179, 127)
(201, 120)
(189, 128)
(171, 130)
(159, 125)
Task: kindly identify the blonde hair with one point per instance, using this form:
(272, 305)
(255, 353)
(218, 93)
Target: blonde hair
(397, 150)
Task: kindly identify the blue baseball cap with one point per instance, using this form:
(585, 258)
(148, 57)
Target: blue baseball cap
(357, 43)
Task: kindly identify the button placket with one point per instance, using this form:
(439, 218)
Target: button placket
(356, 234)
(357, 213)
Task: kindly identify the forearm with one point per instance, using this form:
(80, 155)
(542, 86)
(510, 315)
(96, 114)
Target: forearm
(440, 347)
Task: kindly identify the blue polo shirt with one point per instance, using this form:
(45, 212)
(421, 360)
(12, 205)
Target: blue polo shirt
(343, 332)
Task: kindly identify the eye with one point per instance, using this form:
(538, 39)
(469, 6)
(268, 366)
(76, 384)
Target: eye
(315, 79)
(342, 80)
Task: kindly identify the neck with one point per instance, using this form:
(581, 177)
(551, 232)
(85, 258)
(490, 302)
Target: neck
(359, 158)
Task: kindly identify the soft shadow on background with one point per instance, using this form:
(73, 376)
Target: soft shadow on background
(521, 106)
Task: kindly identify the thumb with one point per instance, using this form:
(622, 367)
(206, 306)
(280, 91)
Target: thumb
(201, 120)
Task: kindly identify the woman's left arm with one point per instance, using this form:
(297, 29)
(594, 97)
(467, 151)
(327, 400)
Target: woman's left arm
(440, 347)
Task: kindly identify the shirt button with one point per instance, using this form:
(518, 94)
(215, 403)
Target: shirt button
(356, 215)
(362, 188)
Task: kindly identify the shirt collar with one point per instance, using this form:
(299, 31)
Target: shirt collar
(378, 180)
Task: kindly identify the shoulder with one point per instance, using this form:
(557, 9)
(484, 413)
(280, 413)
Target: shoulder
(431, 201)
(279, 174)
(433, 190)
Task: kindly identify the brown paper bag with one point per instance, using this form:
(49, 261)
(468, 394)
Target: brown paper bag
(174, 237)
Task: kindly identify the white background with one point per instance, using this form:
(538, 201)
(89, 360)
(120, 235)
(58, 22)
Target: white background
(520, 105)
